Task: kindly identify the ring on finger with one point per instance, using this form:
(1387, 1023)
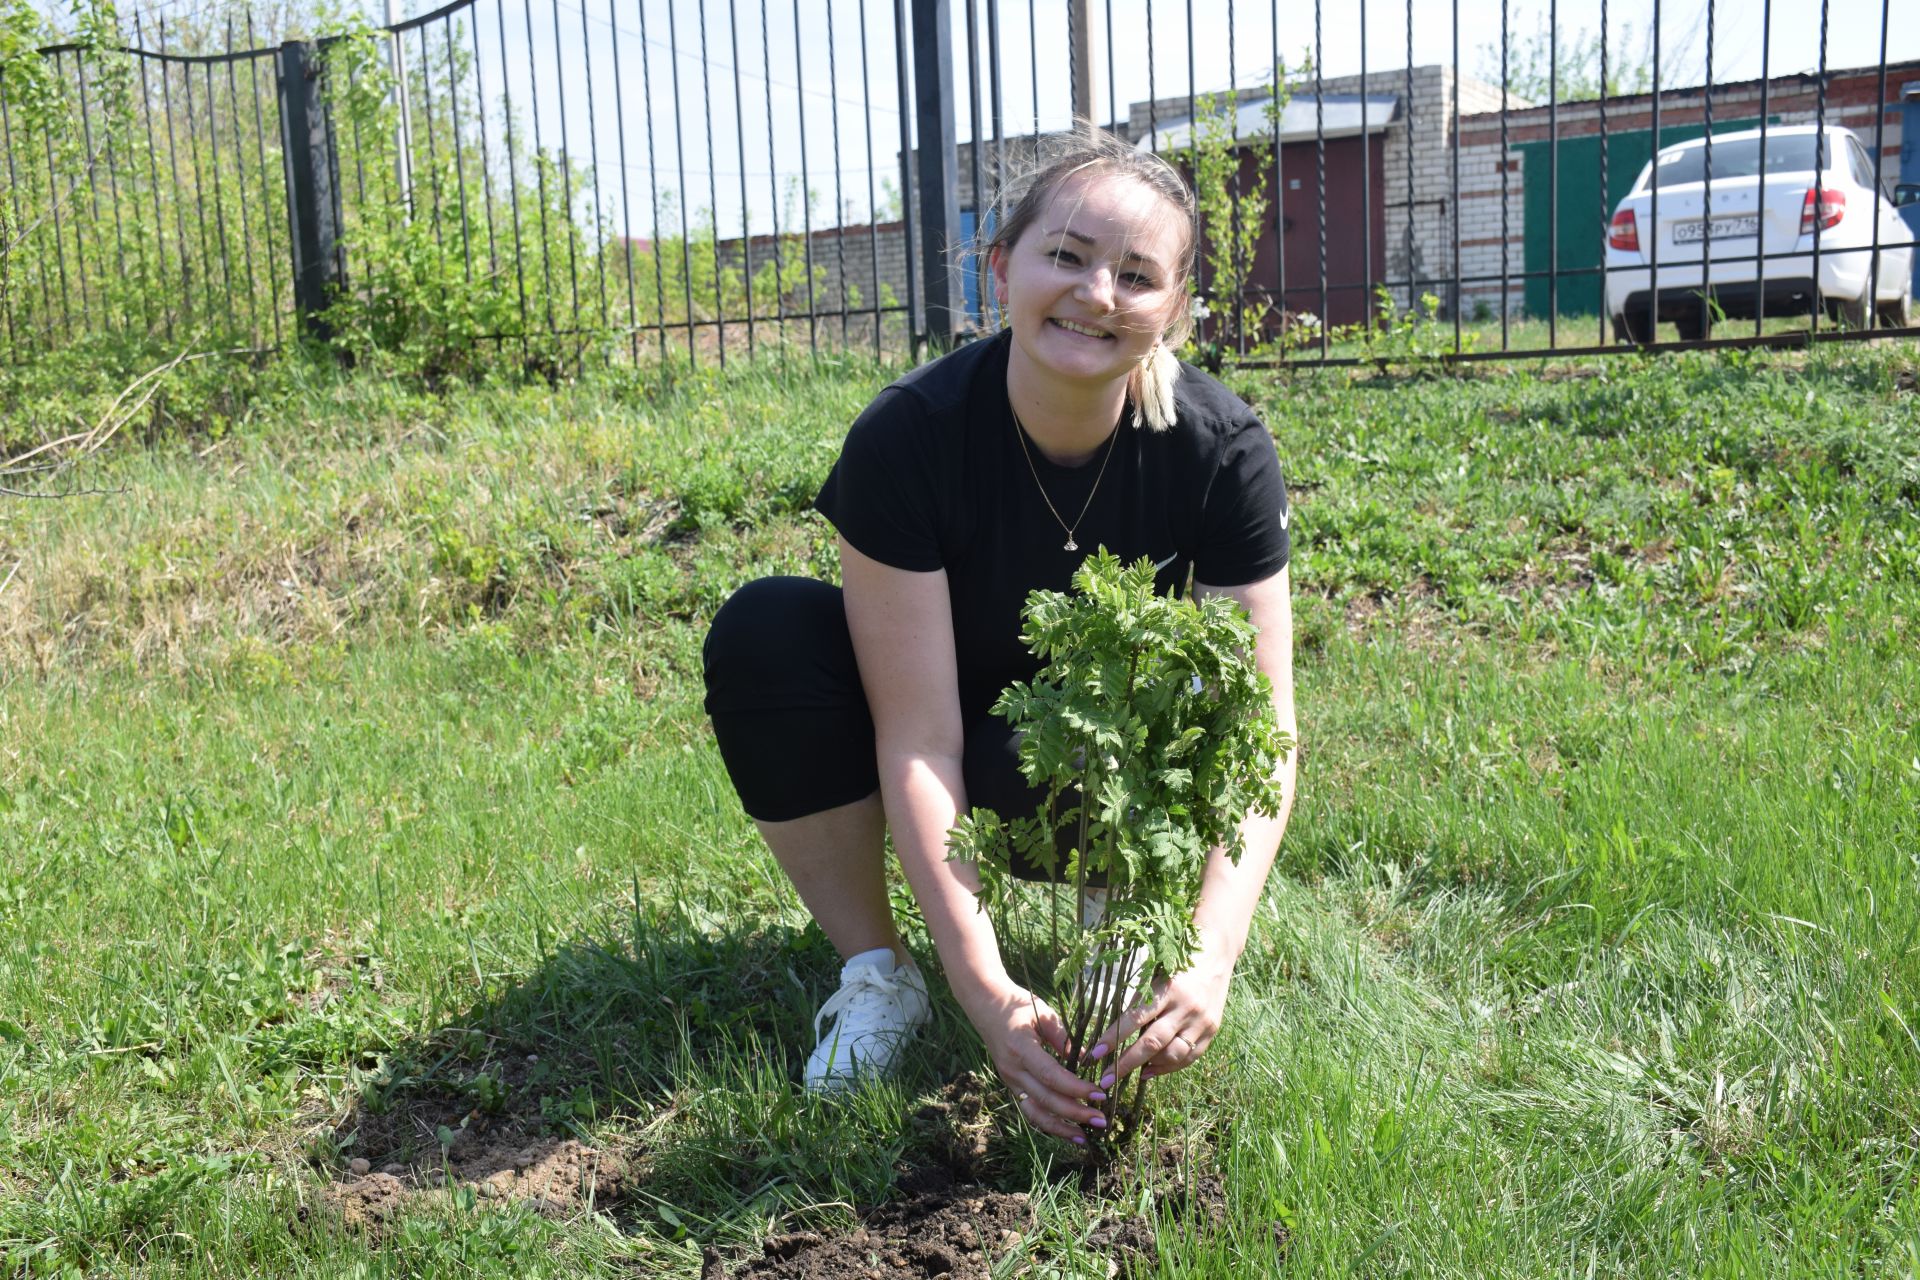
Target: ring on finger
(1022, 1096)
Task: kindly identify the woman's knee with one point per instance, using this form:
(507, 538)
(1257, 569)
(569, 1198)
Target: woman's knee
(779, 641)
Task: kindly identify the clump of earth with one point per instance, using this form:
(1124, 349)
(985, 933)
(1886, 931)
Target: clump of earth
(946, 1221)
(397, 1156)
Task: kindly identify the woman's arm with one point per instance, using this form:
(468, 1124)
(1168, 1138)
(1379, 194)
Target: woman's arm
(902, 628)
(1176, 1028)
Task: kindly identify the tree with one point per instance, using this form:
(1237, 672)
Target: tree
(1532, 58)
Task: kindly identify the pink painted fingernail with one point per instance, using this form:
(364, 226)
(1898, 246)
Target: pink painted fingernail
(1094, 1095)
(1078, 1140)
(1100, 1051)
(1106, 1081)
(1098, 1122)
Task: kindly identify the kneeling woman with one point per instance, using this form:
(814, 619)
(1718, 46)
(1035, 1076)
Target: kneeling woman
(843, 713)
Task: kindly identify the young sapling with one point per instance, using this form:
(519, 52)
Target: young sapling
(1151, 735)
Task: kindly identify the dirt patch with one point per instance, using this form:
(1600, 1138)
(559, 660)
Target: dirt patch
(441, 1139)
(946, 1221)
(959, 1231)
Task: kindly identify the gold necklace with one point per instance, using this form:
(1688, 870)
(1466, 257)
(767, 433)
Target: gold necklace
(1020, 433)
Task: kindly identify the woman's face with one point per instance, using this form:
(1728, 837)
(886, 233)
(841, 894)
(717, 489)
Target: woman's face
(1090, 286)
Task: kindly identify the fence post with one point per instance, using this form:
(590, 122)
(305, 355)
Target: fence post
(939, 167)
(313, 206)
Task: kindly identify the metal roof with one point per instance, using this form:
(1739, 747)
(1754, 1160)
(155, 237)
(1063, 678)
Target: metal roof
(1338, 115)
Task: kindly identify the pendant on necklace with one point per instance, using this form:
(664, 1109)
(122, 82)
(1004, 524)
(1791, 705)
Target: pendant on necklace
(1071, 545)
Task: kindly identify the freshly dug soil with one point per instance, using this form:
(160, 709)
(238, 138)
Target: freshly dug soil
(945, 1222)
(396, 1156)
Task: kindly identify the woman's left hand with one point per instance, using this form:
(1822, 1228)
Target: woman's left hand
(1179, 1023)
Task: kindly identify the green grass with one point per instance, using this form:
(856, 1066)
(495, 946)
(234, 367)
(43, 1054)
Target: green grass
(354, 754)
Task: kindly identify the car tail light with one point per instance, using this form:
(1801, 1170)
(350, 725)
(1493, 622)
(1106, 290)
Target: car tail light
(1833, 207)
(1625, 232)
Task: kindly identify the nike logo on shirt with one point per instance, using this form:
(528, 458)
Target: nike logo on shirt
(1161, 564)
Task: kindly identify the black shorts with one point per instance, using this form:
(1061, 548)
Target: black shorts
(791, 716)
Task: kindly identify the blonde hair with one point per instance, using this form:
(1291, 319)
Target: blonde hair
(1092, 151)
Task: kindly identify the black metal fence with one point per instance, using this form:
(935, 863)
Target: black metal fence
(566, 181)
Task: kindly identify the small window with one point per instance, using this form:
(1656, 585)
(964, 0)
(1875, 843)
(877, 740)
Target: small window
(1862, 167)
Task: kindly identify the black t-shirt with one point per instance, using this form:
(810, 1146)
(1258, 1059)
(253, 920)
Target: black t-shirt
(932, 477)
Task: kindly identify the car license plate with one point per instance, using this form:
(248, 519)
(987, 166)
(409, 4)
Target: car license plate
(1746, 224)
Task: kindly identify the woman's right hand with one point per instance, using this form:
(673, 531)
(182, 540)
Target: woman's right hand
(1025, 1037)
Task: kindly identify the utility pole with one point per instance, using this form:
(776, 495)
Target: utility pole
(1082, 53)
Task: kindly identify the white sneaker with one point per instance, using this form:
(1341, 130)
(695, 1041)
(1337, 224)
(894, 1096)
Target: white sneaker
(876, 1011)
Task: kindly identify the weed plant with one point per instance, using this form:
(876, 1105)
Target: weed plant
(1151, 735)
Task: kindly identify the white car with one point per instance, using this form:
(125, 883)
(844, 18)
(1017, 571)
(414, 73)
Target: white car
(1710, 251)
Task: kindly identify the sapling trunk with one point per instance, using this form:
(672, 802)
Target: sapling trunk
(1152, 725)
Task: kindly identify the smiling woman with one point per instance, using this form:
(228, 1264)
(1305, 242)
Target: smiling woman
(845, 714)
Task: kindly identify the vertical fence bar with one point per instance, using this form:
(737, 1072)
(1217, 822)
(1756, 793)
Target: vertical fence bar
(740, 138)
(200, 196)
(939, 164)
(979, 263)
(313, 209)
(13, 193)
(220, 203)
(1113, 106)
(433, 144)
(1454, 207)
(153, 173)
(773, 185)
(626, 199)
(680, 158)
(266, 186)
(119, 236)
(839, 191)
(1706, 192)
(1505, 201)
(1553, 172)
(1760, 244)
(240, 184)
(1153, 92)
(1193, 134)
(459, 160)
(1653, 205)
(1234, 328)
(1879, 187)
(403, 104)
(593, 156)
(59, 234)
(93, 184)
(1279, 182)
(1606, 192)
(486, 148)
(653, 181)
(900, 43)
(713, 189)
(1366, 183)
(873, 208)
(336, 243)
(1033, 72)
(806, 184)
(1320, 165)
(1413, 283)
(997, 109)
(566, 195)
(539, 162)
(80, 254)
(513, 179)
(1820, 162)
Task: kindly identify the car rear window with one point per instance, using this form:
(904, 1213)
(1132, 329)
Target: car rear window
(1741, 159)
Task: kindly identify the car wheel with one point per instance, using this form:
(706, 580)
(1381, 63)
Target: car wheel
(1898, 314)
(1632, 329)
(1854, 313)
